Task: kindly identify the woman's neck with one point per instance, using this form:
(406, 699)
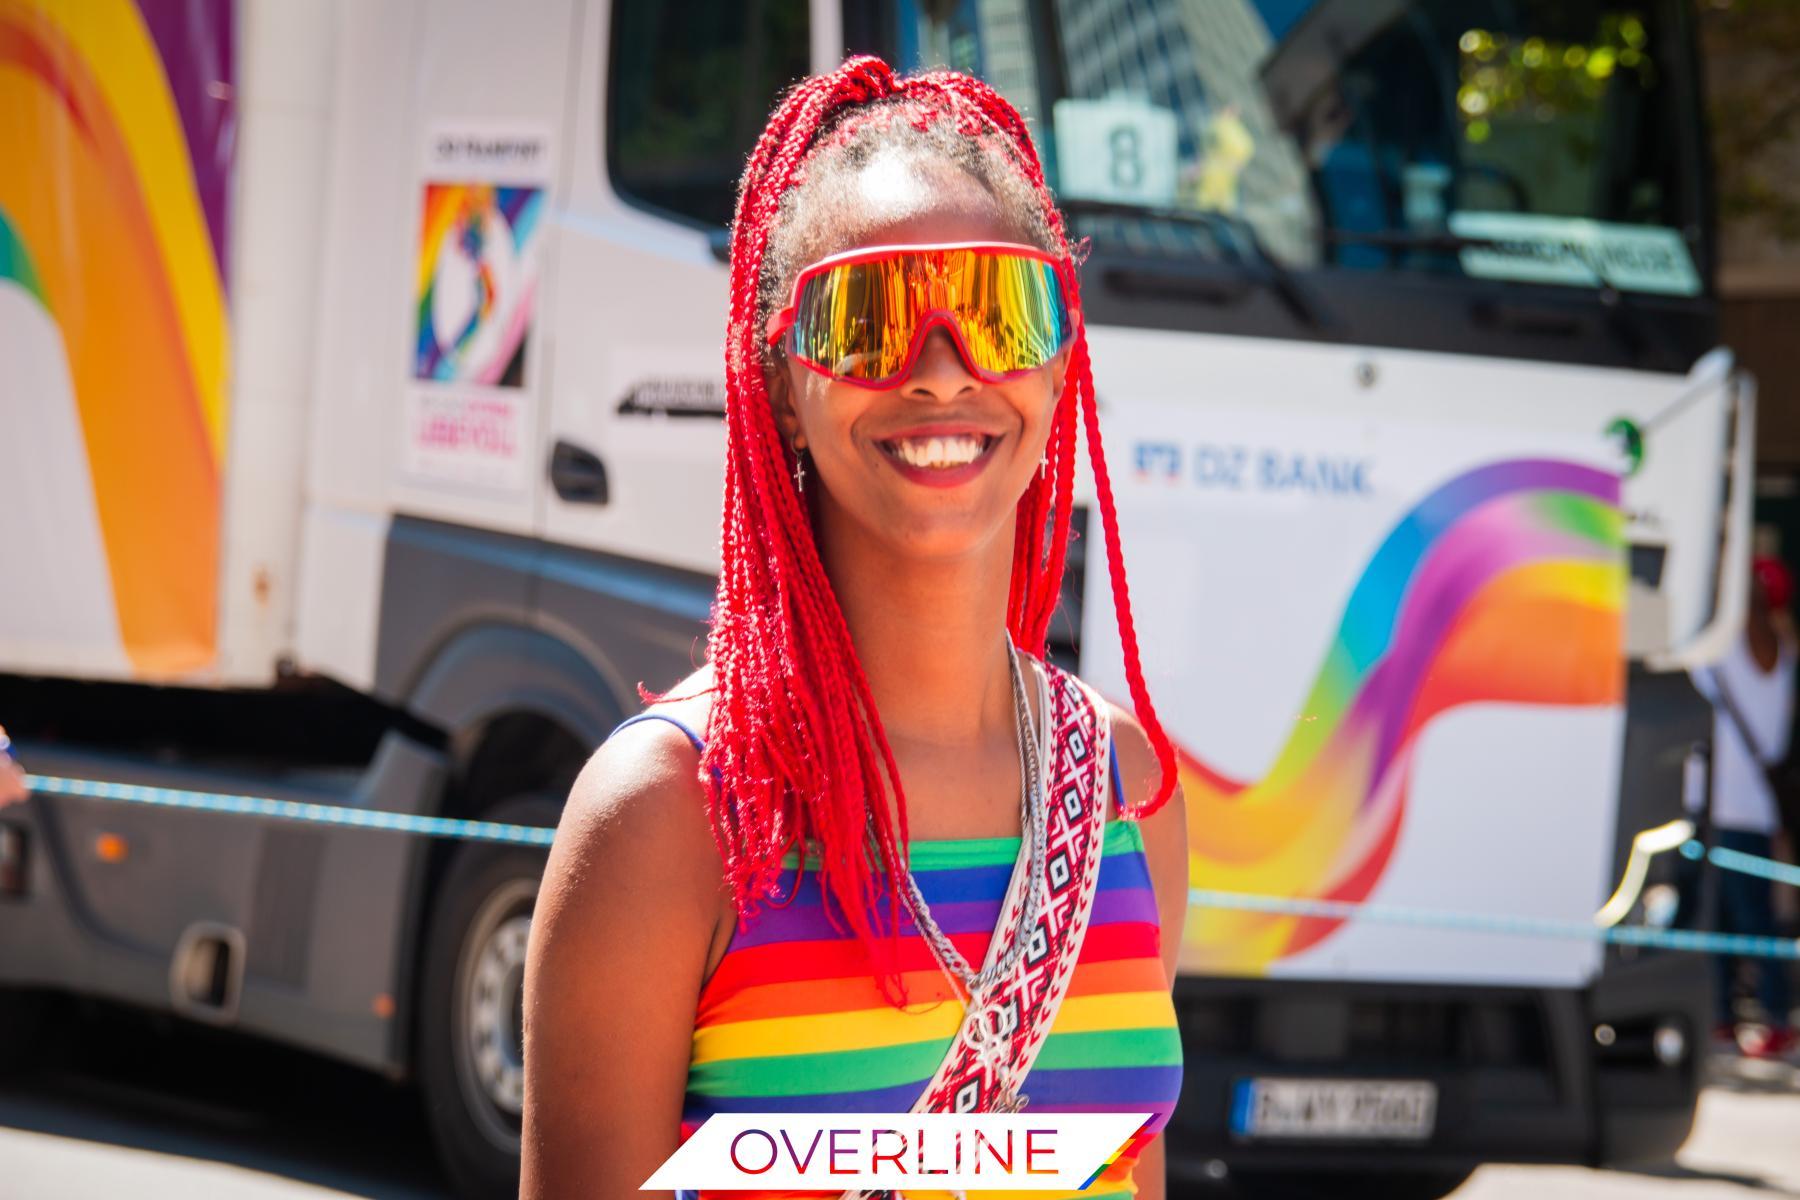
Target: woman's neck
(931, 637)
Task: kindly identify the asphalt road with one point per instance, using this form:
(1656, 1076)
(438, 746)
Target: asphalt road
(158, 1110)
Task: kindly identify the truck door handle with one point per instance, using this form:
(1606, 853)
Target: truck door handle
(578, 475)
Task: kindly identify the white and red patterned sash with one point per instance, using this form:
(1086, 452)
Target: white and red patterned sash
(974, 1077)
(1077, 789)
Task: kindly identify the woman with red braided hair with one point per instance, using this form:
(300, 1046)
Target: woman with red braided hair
(876, 855)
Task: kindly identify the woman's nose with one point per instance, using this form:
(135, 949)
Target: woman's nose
(940, 372)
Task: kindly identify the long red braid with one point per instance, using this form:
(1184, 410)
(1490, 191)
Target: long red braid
(799, 750)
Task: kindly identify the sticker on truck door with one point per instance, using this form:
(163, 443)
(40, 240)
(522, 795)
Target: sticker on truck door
(469, 416)
(477, 282)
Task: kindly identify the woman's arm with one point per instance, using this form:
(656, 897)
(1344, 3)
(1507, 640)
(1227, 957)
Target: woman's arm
(628, 911)
(1166, 852)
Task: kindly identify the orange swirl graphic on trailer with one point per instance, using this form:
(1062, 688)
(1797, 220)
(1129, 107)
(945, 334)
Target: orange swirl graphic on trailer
(1505, 585)
(113, 224)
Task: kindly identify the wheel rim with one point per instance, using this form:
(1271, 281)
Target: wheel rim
(489, 1007)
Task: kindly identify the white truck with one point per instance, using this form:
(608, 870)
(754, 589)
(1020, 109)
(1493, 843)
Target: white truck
(360, 427)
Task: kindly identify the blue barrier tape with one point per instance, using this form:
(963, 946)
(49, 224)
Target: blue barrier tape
(293, 810)
(1692, 940)
(1746, 864)
(1695, 941)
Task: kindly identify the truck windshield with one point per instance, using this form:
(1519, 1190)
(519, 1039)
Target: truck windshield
(1543, 141)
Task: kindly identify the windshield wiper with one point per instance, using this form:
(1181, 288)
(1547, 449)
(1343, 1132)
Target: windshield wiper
(1394, 240)
(1245, 251)
(1627, 318)
(1406, 239)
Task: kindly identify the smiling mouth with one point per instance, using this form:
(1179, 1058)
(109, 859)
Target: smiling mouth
(939, 453)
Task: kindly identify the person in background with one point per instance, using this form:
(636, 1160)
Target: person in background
(12, 775)
(1752, 692)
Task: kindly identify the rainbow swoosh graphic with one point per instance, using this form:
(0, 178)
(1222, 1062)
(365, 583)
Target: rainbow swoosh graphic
(116, 128)
(1504, 585)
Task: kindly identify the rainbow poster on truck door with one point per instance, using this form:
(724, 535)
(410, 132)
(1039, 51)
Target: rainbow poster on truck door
(117, 131)
(477, 281)
(469, 412)
(1393, 659)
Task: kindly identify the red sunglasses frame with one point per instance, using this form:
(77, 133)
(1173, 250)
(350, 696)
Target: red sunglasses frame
(780, 324)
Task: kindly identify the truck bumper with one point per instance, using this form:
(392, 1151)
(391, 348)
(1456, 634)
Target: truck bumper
(1522, 1075)
(120, 901)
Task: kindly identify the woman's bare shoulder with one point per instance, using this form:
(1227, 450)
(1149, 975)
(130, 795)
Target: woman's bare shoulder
(1138, 768)
(639, 805)
(1164, 831)
(1141, 774)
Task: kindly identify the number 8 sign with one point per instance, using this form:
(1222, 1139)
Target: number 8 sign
(1118, 150)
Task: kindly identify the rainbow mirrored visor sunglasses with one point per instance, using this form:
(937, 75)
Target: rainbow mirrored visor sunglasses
(862, 316)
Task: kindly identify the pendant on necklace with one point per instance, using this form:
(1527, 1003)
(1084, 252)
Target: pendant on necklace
(1010, 1101)
(991, 1024)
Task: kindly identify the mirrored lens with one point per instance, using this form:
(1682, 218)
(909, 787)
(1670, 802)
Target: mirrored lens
(858, 320)
(1009, 309)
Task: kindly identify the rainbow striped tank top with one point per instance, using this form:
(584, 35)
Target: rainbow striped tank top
(792, 1019)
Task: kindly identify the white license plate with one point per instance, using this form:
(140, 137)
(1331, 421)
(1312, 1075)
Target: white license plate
(1333, 1108)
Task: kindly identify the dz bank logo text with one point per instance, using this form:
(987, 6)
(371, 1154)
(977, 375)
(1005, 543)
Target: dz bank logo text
(1238, 468)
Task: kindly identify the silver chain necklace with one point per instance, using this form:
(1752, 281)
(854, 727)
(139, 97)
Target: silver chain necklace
(1032, 814)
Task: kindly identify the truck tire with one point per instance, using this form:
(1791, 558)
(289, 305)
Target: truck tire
(1348, 1185)
(470, 1043)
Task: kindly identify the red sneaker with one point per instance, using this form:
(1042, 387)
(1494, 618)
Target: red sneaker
(1777, 1043)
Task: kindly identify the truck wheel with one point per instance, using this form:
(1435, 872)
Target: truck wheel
(1348, 1185)
(471, 1032)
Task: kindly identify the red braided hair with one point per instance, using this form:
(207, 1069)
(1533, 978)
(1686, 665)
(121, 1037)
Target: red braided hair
(800, 754)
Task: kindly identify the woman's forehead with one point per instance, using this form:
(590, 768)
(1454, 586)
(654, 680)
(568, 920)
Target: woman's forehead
(898, 199)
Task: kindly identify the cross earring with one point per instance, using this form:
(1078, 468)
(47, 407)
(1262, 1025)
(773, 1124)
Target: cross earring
(1044, 465)
(799, 470)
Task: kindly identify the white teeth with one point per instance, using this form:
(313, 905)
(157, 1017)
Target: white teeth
(939, 452)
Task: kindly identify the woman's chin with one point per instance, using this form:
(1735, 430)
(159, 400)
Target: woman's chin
(945, 536)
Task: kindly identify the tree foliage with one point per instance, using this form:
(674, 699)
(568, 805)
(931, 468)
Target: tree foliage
(1752, 52)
